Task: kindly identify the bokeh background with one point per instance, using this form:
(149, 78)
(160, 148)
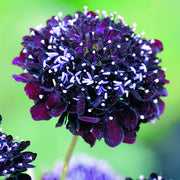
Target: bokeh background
(157, 147)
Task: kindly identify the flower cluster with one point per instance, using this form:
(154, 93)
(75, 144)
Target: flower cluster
(95, 73)
(153, 176)
(84, 167)
(12, 160)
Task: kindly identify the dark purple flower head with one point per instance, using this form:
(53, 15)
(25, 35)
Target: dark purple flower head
(12, 160)
(94, 72)
(153, 176)
(84, 167)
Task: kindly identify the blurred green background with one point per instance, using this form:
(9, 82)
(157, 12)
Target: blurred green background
(157, 147)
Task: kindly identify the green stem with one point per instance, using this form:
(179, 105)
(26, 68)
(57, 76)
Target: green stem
(67, 158)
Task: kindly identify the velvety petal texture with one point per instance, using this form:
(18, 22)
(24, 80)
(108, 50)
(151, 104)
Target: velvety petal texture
(95, 73)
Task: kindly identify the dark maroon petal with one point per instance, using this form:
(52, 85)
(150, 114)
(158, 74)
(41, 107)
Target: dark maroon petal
(154, 175)
(23, 77)
(90, 139)
(28, 157)
(129, 141)
(91, 13)
(127, 116)
(58, 109)
(157, 46)
(98, 130)
(40, 112)
(89, 119)
(18, 61)
(114, 133)
(161, 106)
(33, 89)
(61, 119)
(23, 145)
(80, 106)
(45, 109)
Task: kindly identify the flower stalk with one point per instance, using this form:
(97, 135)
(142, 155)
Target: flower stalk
(67, 158)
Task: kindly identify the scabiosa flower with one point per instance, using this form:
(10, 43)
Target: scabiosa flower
(12, 160)
(84, 167)
(94, 72)
(153, 176)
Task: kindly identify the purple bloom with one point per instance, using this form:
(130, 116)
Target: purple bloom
(94, 72)
(153, 176)
(12, 160)
(84, 167)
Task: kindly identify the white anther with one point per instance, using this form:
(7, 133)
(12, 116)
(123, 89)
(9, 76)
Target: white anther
(134, 26)
(113, 63)
(103, 104)
(142, 117)
(118, 46)
(164, 69)
(49, 71)
(88, 97)
(60, 14)
(104, 48)
(143, 33)
(64, 91)
(41, 96)
(156, 80)
(93, 52)
(62, 38)
(152, 41)
(32, 33)
(81, 44)
(155, 101)
(54, 82)
(89, 110)
(147, 91)
(133, 55)
(155, 71)
(109, 41)
(140, 41)
(127, 93)
(111, 118)
(30, 57)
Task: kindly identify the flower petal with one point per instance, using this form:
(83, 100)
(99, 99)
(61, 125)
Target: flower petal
(90, 139)
(127, 116)
(114, 133)
(89, 119)
(23, 77)
(98, 130)
(81, 106)
(33, 89)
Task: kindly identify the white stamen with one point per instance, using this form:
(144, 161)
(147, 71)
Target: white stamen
(142, 117)
(32, 33)
(41, 96)
(60, 14)
(155, 101)
(54, 82)
(111, 118)
(156, 80)
(118, 46)
(64, 91)
(93, 52)
(102, 104)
